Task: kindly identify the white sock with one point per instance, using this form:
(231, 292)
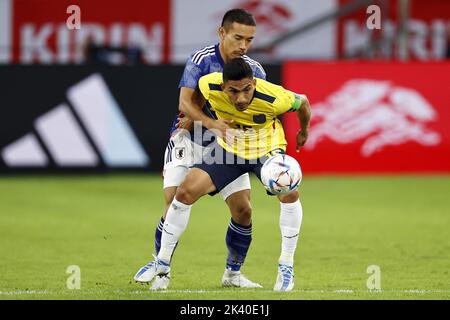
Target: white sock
(176, 222)
(290, 221)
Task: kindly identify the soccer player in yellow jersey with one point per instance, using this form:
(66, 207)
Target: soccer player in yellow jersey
(248, 133)
(252, 111)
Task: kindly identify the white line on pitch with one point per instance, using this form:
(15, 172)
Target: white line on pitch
(76, 292)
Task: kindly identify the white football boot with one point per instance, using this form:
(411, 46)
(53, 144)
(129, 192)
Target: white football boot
(237, 279)
(285, 278)
(152, 269)
(161, 282)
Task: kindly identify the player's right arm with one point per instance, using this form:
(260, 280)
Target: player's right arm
(190, 102)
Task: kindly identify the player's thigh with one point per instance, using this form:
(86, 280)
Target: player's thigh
(178, 158)
(196, 184)
(237, 196)
(173, 177)
(240, 184)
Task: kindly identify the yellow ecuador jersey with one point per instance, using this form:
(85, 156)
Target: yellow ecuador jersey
(256, 130)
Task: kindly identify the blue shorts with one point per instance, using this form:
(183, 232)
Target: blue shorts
(224, 167)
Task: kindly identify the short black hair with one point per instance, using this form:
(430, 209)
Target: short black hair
(237, 69)
(238, 15)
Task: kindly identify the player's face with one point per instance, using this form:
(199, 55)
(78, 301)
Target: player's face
(240, 92)
(236, 41)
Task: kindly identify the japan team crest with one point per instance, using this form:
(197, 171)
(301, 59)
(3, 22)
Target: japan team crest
(180, 153)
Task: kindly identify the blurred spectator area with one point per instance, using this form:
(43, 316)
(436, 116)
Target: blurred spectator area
(167, 31)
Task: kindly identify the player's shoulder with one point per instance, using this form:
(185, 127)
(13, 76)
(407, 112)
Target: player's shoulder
(269, 91)
(255, 65)
(211, 79)
(204, 54)
(264, 85)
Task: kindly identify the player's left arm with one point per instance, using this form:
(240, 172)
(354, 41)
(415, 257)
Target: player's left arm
(293, 102)
(304, 116)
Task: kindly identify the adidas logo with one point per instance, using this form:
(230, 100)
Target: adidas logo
(88, 130)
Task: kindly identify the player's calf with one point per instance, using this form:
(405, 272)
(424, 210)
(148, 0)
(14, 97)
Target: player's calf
(291, 197)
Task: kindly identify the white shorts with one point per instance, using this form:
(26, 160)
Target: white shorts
(181, 154)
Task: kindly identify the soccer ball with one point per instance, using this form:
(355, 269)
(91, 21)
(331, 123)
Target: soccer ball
(281, 174)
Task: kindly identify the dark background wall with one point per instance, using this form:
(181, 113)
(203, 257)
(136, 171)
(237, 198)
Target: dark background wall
(147, 96)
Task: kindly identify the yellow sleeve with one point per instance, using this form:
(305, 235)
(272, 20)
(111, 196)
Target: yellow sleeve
(203, 85)
(287, 102)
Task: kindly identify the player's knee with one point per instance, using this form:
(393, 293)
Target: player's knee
(185, 195)
(290, 197)
(242, 214)
(169, 201)
(169, 194)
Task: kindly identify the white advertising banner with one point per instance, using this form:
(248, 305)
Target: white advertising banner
(5, 31)
(195, 24)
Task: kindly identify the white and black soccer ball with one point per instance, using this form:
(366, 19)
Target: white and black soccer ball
(281, 174)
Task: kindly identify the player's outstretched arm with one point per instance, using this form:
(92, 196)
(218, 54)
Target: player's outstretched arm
(304, 115)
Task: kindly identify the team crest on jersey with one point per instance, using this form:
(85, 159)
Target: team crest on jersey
(180, 153)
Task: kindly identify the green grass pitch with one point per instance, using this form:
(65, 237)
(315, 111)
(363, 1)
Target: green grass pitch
(105, 225)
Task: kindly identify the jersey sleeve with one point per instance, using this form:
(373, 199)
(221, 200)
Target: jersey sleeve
(203, 85)
(260, 72)
(288, 102)
(191, 75)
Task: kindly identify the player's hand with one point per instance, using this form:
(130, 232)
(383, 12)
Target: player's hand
(302, 136)
(221, 126)
(185, 123)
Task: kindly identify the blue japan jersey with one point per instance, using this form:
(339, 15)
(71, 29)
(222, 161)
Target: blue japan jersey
(206, 61)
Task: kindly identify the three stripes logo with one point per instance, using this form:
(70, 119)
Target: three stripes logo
(85, 132)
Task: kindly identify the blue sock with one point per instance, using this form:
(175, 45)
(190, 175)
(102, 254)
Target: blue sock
(158, 234)
(238, 241)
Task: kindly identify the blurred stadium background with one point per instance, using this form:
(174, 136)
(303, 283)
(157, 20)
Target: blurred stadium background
(85, 116)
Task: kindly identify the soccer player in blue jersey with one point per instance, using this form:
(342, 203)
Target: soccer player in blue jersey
(236, 35)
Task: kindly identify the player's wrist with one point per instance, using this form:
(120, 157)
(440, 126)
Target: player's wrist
(304, 129)
(209, 123)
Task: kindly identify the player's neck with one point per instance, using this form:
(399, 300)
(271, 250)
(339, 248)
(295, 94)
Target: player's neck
(222, 53)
